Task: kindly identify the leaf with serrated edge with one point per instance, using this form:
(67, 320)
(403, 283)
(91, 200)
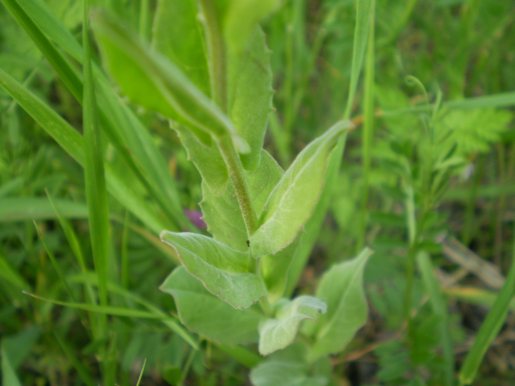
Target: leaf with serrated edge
(278, 333)
(177, 34)
(161, 84)
(295, 196)
(207, 315)
(341, 288)
(249, 77)
(223, 270)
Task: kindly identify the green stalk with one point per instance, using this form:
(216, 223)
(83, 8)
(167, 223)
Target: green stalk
(96, 193)
(235, 168)
(368, 128)
(410, 264)
(216, 53)
(490, 327)
(217, 68)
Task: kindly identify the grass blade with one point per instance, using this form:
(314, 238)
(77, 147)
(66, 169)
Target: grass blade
(35, 208)
(119, 182)
(95, 186)
(368, 127)
(120, 124)
(96, 194)
(364, 18)
(490, 327)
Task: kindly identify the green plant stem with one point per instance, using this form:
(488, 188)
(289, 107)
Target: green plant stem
(233, 162)
(367, 133)
(216, 52)
(410, 265)
(217, 68)
(490, 327)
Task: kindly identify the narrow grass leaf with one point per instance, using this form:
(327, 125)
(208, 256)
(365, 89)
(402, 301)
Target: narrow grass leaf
(364, 17)
(69, 75)
(120, 184)
(67, 137)
(225, 272)
(35, 208)
(100, 309)
(91, 279)
(96, 193)
(121, 126)
(490, 327)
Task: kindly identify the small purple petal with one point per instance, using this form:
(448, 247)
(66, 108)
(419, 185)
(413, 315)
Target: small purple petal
(195, 218)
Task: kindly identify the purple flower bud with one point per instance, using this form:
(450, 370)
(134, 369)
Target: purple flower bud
(195, 218)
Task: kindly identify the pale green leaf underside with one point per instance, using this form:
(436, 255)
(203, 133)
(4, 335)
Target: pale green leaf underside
(278, 333)
(206, 315)
(341, 288)
(292, 201)
(223, 270)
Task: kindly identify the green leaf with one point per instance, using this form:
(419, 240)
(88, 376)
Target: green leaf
(161, 85)
(364, 17)
(224, 271)
(206, 158)
(178, 36)
(292, 201)
(243, 17)
(490, 327)
(206, 315)
(472, 131)
(249, 77)
(289, 368)
(341, 288)
(278, 333)
(94, 175)
(221, 212)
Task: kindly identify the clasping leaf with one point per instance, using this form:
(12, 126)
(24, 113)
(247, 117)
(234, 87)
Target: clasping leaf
(207, 315)
(341, 288)
(293, 199)
(225, 272)
(278, 333)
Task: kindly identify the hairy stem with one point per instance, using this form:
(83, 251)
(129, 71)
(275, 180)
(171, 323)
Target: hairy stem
(216, 52)
(217, 68)
(233, 163)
